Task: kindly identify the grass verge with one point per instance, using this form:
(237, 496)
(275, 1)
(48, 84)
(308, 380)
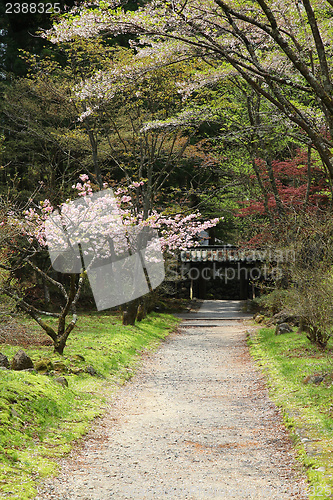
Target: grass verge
(39, 419)
(294, 369)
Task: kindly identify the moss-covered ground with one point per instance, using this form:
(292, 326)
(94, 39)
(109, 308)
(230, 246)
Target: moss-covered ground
(40, 419)
(288, 361)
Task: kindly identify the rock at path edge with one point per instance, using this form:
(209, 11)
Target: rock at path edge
(4, 361)
(21, 361)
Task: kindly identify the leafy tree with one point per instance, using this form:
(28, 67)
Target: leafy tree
(18, 29)
(37, 121)
(310, 273)
(300, 184)
(53, 129)
(282, 53)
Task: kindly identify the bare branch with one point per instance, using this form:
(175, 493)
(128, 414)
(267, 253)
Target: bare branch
(48, 278)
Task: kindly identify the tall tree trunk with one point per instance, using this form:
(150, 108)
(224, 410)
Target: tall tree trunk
(94, 149)
(307, 194)
(47, 298)
(262, 189)
(142, 309)
(277, 198)
(130, 312)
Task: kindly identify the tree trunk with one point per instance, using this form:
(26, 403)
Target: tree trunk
(47, 298)
(142, 310)
(59, 336)
(130, 312)
(275, 191)
(308, 187)
(262, 189)
(59, 346)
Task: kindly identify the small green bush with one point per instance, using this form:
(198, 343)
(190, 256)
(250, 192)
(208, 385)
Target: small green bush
(273, 302)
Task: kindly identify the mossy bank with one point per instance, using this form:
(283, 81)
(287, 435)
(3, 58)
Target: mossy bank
(40, 418)
(300, 378)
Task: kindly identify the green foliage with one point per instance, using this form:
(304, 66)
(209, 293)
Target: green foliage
(273, 302)
(18, 31)
(312, 301)
(35, 113)
(305, 239)
(312, 275)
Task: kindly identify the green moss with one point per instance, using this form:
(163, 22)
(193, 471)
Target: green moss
(39, 419)
(287, 359)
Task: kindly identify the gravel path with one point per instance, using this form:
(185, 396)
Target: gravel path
(195, 423)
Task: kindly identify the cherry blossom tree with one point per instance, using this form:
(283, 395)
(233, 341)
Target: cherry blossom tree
(30, 226)
(280, 49)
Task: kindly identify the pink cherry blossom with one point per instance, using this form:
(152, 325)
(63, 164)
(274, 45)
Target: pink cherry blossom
(177, 232)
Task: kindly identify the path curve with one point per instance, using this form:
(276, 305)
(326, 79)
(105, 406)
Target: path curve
(195, 423)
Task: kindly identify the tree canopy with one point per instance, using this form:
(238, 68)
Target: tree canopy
(220, 106)
(280, 49)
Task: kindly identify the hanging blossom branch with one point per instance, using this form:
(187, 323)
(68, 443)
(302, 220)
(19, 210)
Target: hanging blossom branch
(177, 231)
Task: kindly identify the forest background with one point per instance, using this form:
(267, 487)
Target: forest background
(222, 107)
